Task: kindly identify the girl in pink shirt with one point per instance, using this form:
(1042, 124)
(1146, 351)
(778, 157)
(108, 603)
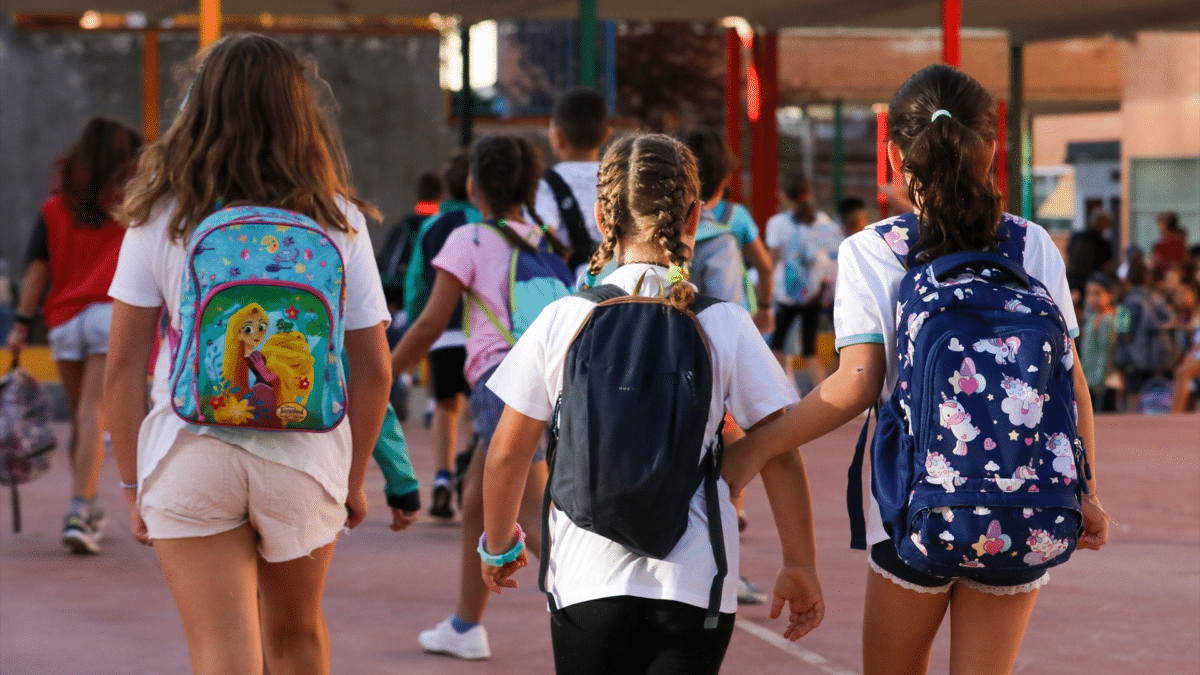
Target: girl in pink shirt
(474, 265)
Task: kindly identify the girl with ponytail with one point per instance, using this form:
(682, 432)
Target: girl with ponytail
(943, 142)
(473, 265)
(620, 611)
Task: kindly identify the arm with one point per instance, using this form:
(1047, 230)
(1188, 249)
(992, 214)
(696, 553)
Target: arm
(130, 345)
(797, 584)
(512, 449)
(369, 380)
(37, 277)
(447, 290)
(851, 389)
(756, 254)
(1095, 520)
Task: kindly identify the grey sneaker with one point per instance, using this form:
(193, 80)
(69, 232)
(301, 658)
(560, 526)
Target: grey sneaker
(749, 594)
(443, 639)
(82, 534)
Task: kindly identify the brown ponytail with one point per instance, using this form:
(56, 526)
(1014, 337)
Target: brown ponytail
(948, 160)
(506, 169)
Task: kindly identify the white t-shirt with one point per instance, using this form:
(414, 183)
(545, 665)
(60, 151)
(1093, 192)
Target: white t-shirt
(149, 274)
(780, 229)
(868, 289)
(581, 177)
(747, 381)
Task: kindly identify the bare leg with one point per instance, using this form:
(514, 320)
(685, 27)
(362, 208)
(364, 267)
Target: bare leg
(83, 383)
(87, 446)
(898, 627)
(473, 596)
(446, 414)
(215, 583)
(986, 630)
(295, 637)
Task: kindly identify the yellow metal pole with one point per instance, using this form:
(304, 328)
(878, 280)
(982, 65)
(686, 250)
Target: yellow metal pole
(210, 22)
(150, 83)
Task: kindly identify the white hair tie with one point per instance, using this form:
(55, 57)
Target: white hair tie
(939, 113)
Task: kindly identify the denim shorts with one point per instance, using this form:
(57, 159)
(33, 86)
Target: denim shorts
(886, 562)
(82, 335)
(486, 408)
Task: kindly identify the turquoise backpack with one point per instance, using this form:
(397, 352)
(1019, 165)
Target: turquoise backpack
(535, 279)
(261, 324)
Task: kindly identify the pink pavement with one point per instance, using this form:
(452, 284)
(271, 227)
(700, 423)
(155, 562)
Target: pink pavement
(1133, 608)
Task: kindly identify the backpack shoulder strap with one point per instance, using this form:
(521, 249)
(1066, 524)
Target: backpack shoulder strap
(905, 228)
(571, 216)
(703, 302)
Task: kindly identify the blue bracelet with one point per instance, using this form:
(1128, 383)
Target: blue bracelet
(506, 557)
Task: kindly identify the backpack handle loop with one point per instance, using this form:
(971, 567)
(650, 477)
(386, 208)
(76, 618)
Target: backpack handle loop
(947, 265)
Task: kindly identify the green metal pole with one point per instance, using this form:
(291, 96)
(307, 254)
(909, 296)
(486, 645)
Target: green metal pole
(1027, 167)
(467, 113)
(587, 43)
(838, 152)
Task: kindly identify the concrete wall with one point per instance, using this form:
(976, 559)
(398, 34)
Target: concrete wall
(391, 108)
(1160, 113)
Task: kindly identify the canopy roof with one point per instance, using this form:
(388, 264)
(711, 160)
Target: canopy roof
(1025, 20)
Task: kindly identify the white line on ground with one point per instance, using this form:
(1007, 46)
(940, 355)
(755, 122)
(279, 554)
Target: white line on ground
(808, 656)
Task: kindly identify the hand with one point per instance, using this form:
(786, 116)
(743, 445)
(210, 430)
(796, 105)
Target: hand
(17, 337)
(135, 518)
(799, 587)
(1095, 525)
(402, 519)
(764, 320)
(497, 578)
(356, 507)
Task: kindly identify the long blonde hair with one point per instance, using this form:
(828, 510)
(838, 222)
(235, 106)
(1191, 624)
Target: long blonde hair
(251, 129)
(234, 365)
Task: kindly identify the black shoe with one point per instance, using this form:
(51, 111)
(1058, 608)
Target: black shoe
(442, 494)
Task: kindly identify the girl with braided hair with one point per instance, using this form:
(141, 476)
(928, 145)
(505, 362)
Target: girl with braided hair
(620, 611)
(473, 265)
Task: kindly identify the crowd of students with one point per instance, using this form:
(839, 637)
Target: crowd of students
(245, 522)
(1140, 335)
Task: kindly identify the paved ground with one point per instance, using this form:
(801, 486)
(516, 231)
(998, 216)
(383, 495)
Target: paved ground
(1134, 608)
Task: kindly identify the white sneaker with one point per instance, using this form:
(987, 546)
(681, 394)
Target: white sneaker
(443, 639)
(749, 594)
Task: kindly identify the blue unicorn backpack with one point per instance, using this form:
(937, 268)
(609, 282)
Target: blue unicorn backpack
(535, 279)
(976, 463)
(261, 324)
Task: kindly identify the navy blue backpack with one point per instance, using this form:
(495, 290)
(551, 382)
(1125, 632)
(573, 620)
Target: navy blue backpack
(628, 428)
(976, 464)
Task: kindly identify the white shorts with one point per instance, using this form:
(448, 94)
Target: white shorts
(82, 335)
(205, 486)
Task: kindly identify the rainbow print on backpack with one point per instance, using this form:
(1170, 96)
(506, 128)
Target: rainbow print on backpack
(261, 324)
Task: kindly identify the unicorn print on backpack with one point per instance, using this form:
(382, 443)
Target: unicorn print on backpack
(1024, 403)
(954, 417)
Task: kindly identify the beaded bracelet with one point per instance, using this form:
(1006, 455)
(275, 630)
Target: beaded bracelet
(506, 557)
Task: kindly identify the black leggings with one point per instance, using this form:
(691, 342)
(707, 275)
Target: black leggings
(624, 635)
(810, 322)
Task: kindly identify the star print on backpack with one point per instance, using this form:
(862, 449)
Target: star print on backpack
(976, 462)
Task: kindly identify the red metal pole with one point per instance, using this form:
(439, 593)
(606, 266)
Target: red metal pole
(952, 32)
(881, 160)
(1002, 147)
(733, 108)
(764, 131)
